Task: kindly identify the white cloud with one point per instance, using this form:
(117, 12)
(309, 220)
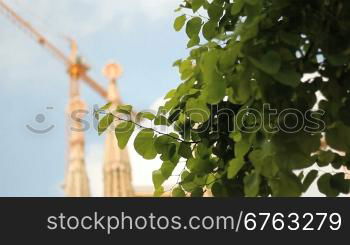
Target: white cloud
(85, 17)
(127, 14)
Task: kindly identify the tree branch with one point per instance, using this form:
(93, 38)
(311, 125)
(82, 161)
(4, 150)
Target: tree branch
(154, 130)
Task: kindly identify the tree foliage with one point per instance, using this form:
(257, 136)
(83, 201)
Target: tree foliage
(244, 55)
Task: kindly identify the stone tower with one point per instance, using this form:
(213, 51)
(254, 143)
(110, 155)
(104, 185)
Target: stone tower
(116, 167)
(76, 181)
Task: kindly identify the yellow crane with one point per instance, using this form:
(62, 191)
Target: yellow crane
(73, 64)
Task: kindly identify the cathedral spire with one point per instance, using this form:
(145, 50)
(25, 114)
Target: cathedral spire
(116, 169)
(76, 181)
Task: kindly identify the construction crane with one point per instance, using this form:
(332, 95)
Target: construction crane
(116, 167)
(73, 63)
(76, 182)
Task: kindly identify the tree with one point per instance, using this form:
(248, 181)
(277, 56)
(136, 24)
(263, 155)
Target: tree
(246, 118)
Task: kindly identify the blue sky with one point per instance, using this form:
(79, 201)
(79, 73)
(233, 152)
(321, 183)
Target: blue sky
(138, 34)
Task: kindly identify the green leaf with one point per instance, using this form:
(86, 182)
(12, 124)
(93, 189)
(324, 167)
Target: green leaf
(269, 63)
(210, 30)
(325, 158)
(158, 192)
(146, 115)
(301, 175)
(167, 169)
(203, 151)
(123, 132)
(161, 120)
(162, 143)
(228, 58)
(178, 192)
(199, 166)
(237, 6)
(176, 63)
(186, 176)
(106, 106)
(339, 161)
(293, 159)
(288, 77)
(187, 181)
(234, 166)
(309, 179)
(144, 144)
(263, 163)
(158, 179)
(252, 2)
(125, 109)
(195, 40)
(197, 4)
(211, 179)
(215, 84)
(197, 192)
(179, 22)
(292, 39)
(167, 147)
(215, 11)
(286, 185)
(338, 137)
(171, 154)
(252, 184)
(344, 114)
(105, 122)
(193, 27)
(339, 183)
(240, 92)
(219, 190)
(241, 148)
(197, 110)
(185, 65)
(338, 60)
(324, 186)
(172, 92)
(185, 150)
(236, 136)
